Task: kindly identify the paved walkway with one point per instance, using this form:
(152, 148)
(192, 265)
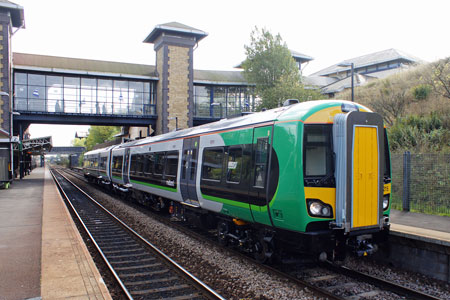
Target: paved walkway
(41, 252)
(20, 237)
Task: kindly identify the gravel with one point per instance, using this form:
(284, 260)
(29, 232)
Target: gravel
(411, 280)
(230, 276)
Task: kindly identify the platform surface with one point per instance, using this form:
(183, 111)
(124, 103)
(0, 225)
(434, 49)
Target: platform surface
(430, 228)
(41, 252)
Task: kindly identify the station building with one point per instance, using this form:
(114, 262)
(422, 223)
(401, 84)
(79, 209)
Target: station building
(143, 99)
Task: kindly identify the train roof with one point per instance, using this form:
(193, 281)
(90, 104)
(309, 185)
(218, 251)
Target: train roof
(97, 151)
(300, 112)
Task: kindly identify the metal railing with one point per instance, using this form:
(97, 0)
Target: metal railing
(421, 183)
(83, 107)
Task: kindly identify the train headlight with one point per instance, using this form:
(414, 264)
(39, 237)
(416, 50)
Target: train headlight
(317, 208)
(385, 201)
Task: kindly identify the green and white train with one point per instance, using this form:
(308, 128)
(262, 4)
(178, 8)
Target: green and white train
(312, 177)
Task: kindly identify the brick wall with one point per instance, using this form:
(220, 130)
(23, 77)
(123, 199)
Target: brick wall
(159, 88)
(178, 83)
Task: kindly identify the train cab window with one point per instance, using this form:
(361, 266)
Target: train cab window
(318, 162)
(159, 163)
(234, 165)
(212, 164)
(262, 146)
(171, 164)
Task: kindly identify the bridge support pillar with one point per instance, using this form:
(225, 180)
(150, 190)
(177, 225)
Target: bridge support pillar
(174, 46)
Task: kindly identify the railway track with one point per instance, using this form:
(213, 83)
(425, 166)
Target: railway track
(326, 280)
(141, 270)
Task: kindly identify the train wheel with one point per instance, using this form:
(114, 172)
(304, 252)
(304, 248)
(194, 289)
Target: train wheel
(222, 231)
(263, 250)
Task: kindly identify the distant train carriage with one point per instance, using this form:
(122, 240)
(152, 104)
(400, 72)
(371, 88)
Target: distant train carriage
(312, 177)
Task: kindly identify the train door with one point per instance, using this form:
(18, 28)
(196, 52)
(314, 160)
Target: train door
(359, 148)
(189, 166)
(126, 164)
(262, 146)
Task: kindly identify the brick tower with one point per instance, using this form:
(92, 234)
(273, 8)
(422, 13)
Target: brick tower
(11, 15)
(174, 46)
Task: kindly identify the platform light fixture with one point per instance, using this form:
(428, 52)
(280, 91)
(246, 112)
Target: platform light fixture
(352, 66)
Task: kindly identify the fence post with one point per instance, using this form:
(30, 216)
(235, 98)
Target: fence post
(406, 180)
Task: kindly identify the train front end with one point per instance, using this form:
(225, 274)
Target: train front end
(346, 172)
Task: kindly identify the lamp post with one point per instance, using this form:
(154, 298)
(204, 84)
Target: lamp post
(352, 65)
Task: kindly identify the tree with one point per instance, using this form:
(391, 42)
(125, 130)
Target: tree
(270, 66)
(439, 78)
(100, 134)
(79, 142)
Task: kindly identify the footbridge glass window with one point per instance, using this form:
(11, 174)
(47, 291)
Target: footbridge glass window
(96, 95)
(213, 101)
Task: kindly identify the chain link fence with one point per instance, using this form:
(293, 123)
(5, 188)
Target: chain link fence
(421, 183)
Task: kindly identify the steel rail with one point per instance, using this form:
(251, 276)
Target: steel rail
(209, 292)
(381, 283)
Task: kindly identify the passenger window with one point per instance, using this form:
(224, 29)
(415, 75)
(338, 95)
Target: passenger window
(212, 163)
(137, 165)
(171, 163)
(261, 152)
(234, 165)
(149, 162)
(159, 163)
(117, 164)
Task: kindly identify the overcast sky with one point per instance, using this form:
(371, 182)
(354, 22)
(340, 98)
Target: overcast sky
(328, 30)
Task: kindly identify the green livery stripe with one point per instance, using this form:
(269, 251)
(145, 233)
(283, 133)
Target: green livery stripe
(154, 186)
(103, 174)
(225, 201)
(117, 177)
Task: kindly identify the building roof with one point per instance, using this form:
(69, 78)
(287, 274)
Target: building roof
(81, 66)
(368, 60)
(297, 56)
(318, 81)
(114, 69)
(174, 27)
(300, 56)
(219, 77)
(17, 15)
(346, 83)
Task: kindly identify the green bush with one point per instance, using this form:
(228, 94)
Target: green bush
(421, 133)
(421, 91)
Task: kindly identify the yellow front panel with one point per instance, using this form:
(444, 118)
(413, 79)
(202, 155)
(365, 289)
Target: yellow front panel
(365, 177)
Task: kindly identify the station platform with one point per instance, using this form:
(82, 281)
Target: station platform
(42, 255)
(427, 228)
